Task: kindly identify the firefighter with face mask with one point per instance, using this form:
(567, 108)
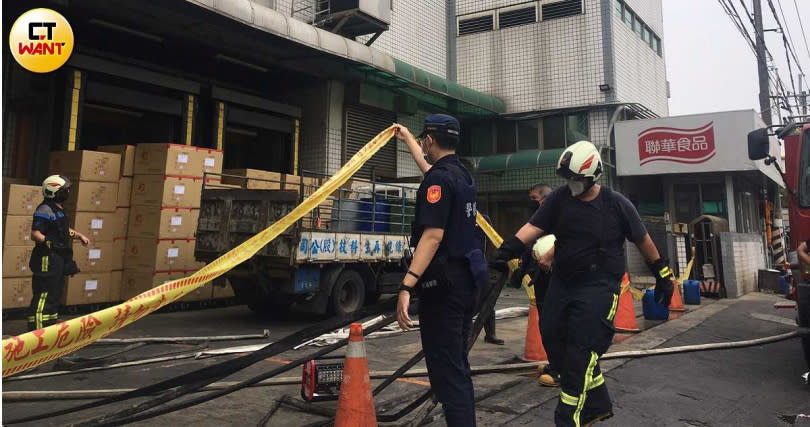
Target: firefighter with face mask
(52, 258)
(590, 223)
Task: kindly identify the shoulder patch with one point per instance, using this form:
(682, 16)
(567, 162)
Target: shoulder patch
(434, 193)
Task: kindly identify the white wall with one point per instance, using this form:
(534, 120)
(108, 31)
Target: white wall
(417, 35)
(546, 65)
(640, 72)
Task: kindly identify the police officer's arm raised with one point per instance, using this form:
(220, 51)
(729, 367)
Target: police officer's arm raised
(413, 145)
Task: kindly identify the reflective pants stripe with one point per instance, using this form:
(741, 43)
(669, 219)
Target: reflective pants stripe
(586, 386)
(613, 307)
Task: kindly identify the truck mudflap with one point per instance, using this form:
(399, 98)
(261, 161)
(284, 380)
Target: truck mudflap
(349, 247)
(307, 279)
(803, 306)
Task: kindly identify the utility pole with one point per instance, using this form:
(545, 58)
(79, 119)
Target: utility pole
(762, 65)
(802, 97)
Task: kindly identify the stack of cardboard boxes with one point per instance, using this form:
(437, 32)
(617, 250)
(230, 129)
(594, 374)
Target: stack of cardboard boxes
(19, 204)
(164, 209)
(122, 208)
(91, 208)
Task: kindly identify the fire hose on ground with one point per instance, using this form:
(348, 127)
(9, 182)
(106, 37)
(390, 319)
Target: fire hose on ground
(41, 395)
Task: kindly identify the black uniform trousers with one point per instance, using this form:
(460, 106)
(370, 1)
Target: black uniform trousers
(445, 315)
(489, 325)
(577, 328)
(47, 289)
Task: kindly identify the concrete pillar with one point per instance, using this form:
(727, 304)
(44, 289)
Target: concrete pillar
(730, 205)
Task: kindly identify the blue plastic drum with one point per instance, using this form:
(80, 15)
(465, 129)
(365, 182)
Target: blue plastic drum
(691, 292)
(653, 310)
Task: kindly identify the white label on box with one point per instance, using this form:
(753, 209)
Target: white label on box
(90, 285)
(98, 202)
(210, 162)
(97, 224)
(180, 189)
(174, 252)
(94, 254)
(177, 220)
(101, 172)
(182, 158)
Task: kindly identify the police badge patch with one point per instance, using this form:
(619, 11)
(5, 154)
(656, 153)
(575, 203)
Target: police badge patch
(434, 193)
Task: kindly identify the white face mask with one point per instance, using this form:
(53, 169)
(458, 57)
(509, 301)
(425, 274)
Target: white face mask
(576, 187)
(425, 150)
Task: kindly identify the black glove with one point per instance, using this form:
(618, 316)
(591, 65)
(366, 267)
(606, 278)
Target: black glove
(663, 281)
(510, 249)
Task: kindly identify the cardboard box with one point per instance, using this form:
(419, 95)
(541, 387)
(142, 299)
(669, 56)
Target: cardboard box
(88, 288)
(17, 230)
(119, 248)
(21, 199)
(135, 282)
(85, 165)
(17, 292)
(15, 261)
(211, 160)
(159, 255)
(127, 153)
(150, 222)
(116, 277)
(221, 292)
(168, 159)
(203, 293)
(124, 191)
(295, 182)
(121, 222)
(166, 191)
(89, 196)
(95, 257)
(97, 226)
(263, 180)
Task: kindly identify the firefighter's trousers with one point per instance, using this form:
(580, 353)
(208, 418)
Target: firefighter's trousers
(577, 328)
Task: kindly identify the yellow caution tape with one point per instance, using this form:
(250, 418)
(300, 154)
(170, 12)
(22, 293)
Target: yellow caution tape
(32, 349)
(494, 237)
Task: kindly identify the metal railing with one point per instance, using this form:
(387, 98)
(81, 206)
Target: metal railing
(368, 206)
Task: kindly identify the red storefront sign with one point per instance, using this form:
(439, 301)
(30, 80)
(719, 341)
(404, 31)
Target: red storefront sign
(669, 144)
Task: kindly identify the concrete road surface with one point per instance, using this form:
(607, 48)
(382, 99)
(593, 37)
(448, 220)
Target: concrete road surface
(742, 387)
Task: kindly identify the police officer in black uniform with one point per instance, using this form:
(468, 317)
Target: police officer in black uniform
(52, 257)
(590, 223)
(447, 265)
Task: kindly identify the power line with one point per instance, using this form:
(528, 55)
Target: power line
(801, 25)
(788, 45)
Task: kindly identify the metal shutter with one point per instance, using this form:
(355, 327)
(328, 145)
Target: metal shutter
(362, 125)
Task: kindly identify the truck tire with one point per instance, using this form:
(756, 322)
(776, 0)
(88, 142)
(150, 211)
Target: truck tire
(348, 293)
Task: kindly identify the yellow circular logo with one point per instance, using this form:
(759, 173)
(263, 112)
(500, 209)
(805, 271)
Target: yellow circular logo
(41, 40)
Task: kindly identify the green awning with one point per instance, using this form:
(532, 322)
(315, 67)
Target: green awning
(429, 85)
(520, 160)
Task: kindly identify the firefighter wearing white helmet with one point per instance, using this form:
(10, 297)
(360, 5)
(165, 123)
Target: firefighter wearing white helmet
(52, 257)
(590, 223)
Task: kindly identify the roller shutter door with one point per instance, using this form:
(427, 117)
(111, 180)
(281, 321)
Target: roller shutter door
(362, 125)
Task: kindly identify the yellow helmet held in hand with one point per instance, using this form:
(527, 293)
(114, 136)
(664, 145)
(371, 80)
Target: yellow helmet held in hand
(56, 188)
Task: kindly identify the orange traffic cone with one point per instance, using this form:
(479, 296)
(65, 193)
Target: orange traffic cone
(533, 349)
(355, 405)
(677, 302)
(625, 319)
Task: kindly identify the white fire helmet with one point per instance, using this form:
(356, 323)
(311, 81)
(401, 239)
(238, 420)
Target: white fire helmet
(56, 188)
(581, 165)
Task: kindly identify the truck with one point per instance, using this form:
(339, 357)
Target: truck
(796, 143)
(346, 252)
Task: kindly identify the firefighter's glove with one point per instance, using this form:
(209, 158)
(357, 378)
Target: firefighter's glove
(510, 249)
(663, 281)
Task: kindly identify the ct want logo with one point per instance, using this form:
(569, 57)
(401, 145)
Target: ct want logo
(41, 40)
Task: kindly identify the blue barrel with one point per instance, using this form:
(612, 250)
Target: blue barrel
(784, 285)
(653, 310)
(379, 219)
(691, 292)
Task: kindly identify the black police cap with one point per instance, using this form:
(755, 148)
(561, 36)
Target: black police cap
(441, 123)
